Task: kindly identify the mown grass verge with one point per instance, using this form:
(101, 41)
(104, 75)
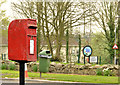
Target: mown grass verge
(64, 77)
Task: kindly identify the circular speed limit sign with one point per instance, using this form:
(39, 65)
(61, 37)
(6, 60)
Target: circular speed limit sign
(87, 51)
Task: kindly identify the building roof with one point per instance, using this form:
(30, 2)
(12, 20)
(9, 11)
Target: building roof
(72, 42)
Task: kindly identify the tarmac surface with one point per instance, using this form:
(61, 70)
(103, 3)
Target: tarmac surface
(12, 81)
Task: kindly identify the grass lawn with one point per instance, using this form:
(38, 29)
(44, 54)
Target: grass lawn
(64, 77)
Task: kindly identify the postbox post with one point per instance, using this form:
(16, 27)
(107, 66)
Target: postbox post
(22, 73)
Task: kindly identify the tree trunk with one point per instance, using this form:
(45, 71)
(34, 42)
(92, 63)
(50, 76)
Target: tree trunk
(47, 34)
(58, 48)
(59, 31)
(39, 8)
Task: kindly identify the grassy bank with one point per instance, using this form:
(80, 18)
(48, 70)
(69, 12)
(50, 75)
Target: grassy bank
(64, 77)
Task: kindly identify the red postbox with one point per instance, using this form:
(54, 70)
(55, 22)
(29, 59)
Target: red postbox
(22, 40)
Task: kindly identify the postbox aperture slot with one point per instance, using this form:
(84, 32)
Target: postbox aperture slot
(31, 35)
(32, 26)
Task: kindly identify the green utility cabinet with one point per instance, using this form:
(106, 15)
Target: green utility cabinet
(44, 61)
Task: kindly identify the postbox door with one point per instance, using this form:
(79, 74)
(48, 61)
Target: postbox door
(31, 44)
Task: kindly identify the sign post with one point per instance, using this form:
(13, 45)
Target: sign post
(84, 59)
(87, 52)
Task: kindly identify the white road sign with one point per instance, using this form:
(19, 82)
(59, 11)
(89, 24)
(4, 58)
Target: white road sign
(93, 59)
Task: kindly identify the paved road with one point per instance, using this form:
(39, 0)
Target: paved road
(45, 82)
(50, 84)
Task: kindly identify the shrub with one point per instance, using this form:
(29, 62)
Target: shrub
(99, 71)
(35, 69)
(4, 66)
(11, 66)
(107, 72)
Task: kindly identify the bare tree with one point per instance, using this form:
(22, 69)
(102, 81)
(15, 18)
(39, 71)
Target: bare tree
(53, 18)
(106, 19)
